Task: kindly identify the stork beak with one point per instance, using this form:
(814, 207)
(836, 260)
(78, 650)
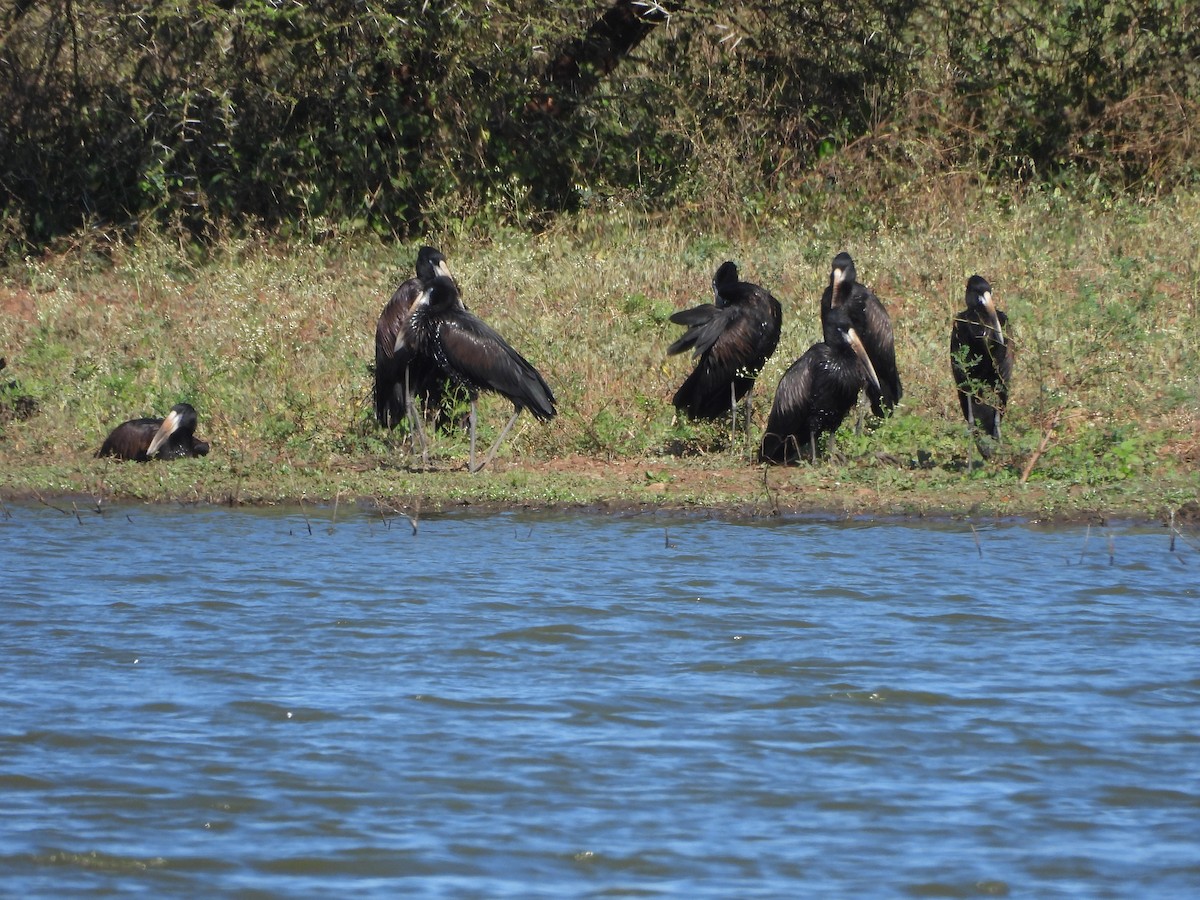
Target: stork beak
(839, 275)
(861, 352)
(993, 317)
(442, 269)
(169, 426)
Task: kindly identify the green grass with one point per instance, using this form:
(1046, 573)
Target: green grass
(272, 344)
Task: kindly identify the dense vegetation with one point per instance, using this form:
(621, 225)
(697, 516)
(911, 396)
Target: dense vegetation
(202, 202)
(404, 117)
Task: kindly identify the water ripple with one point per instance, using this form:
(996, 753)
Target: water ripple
(547, 705)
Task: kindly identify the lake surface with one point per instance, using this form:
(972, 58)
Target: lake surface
(214, 702)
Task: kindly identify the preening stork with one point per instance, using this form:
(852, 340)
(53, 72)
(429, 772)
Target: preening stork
(401, 373)
(732, 338)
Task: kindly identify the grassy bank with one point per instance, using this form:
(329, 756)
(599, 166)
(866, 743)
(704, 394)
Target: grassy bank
(272, 344)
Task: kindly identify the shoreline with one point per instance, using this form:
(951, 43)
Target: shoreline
(576, 485)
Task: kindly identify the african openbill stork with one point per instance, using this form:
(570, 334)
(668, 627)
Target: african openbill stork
(873, 327)
(980, 358)
(817, 391)
(473, 355)
(733, 337)
(171, 437)
(401, 373)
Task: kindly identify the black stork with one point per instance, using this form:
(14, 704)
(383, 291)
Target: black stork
(172, 437)
(471, 353)
(873, 327)
(401, 373)
(980, 358)
(733, 337)
(817, 392)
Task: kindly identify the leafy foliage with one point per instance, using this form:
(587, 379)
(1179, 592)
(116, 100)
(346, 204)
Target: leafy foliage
(406, 117)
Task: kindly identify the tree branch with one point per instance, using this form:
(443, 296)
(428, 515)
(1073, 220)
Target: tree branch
(580, 65)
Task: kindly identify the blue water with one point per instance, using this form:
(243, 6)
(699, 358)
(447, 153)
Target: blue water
(213, 702)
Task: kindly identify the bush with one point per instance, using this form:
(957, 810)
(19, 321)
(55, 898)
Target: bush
(357, 115)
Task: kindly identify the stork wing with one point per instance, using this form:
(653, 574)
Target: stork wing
(795, 390)
(705, 326)
(474, 352)
(389, 330)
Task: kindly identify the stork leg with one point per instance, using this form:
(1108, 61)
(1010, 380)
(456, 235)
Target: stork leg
(732, 413)
(496, 446)
(970, 430)
(987, 445)
(812, 446)
(746, 418)
(471, 423)
(414, 419)
(790, 443)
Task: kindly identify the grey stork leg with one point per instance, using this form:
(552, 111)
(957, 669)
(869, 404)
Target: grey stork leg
(970, 431)
(732, 415)
(414, 421)
(746, 419)
(471, 424)
(496, 446)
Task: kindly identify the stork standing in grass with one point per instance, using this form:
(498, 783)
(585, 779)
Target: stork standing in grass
(817, 392)
(873, 327)
(980, 359)
(402, 374)
(732, 338)
(472, 354)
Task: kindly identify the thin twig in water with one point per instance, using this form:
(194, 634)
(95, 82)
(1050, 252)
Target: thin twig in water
(975, 534)
(333, 524)
(78, 517)
(667, 539)
(772, 497)
(383, 516)
(42, 500)
(304, 513)
(1111, 554)
(1183, 537)
(412, 520)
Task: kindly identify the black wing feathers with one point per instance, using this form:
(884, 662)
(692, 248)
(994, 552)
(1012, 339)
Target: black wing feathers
(474, 353)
